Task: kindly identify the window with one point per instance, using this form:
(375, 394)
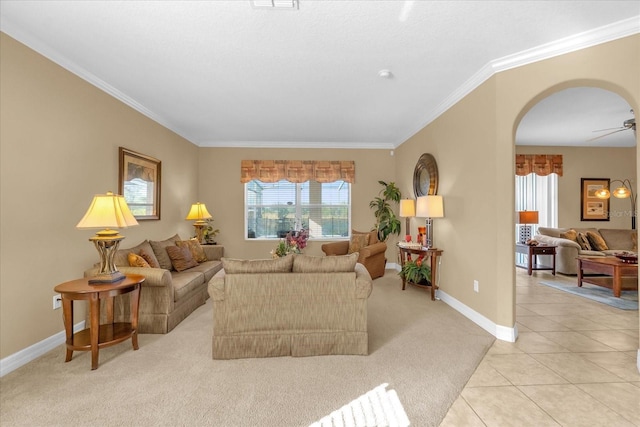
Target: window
(538, 193)
(273, 209)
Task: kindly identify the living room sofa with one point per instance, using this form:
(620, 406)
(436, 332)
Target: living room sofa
(167, 296)
(296, 305)
(569, 248)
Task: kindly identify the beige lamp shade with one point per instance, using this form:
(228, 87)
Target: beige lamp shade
(198, 212)
(527, 217)
(429, 207)
(407, 208)
(108, 211)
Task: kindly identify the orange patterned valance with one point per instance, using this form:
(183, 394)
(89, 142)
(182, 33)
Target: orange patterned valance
(298, 170)
(540, 164)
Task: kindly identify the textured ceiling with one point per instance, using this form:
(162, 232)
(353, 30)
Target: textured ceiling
(222, 73)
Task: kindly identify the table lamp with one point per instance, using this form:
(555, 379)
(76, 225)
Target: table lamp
(107, 211)
(429, 207)
(407, 210)
(199, 213)
(525, 218)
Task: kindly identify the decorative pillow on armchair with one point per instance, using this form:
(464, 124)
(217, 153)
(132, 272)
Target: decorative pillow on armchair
(357, 242)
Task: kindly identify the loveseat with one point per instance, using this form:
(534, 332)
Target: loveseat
(296, 305)
(371, 251)
(572, 242)
(167, 295)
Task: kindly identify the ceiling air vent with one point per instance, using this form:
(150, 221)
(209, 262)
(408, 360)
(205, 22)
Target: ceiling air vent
(275, 4)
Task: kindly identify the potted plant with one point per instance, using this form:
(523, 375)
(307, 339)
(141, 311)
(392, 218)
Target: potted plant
(418, 271)
(209, 233)
(386, 221)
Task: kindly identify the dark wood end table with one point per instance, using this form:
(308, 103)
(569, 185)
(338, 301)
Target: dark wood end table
(432, 254)
(532, 253)
(97, 336)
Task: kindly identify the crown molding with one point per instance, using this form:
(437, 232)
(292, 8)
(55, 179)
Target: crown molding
(607, 33)
(298, 144)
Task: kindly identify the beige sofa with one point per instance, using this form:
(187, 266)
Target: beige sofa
(297, 305)
(167, 296)
(616, 240)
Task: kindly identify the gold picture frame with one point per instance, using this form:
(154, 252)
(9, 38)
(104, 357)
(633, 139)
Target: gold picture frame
(139, 182)
(592, 207)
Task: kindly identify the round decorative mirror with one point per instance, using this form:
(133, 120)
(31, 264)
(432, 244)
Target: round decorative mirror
(425, 176)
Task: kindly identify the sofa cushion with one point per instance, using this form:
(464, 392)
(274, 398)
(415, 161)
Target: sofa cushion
(208, 268)
(276, 265)
(121, 257)
(357, 242)
(195, 248)
(316, 264)
(137, 261)
(160, 251)
(181, 257)
(596, 241)
(583, 241)
(148, 256)
(184, 282)
(617, 239)
(570, 234)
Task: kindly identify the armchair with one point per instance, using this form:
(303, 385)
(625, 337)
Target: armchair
(372, 255)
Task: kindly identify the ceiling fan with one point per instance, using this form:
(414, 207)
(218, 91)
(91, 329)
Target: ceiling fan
(626, 125)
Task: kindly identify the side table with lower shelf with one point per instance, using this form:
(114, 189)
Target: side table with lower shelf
(432, 254)
(533, 252)
(98, 336)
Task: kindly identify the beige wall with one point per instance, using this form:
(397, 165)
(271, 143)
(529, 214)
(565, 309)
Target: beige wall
(583, 162)
(226, 202)
(59, 141)
(474, 145)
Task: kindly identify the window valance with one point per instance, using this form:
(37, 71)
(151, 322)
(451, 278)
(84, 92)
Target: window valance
(540, 164)
(298, 170)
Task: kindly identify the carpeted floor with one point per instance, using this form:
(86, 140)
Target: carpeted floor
(628, 299)
(423, 349)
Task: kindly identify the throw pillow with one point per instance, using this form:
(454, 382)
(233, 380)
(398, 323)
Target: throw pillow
(149, 257)
(137, 261)
(121, 257)
(181, 257)
(373, 236)
(276, 265)
(328, 264)
(160, 250)
(571, 235)
(596, 241)
(357, 242)
(583, 241)
(195, 248)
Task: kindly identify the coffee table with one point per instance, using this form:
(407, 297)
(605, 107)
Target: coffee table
(620, 275)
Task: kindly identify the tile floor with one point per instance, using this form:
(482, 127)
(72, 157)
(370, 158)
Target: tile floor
(573, 364)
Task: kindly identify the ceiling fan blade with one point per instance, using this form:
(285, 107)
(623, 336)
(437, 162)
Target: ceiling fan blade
(606, 134)
(602, 130)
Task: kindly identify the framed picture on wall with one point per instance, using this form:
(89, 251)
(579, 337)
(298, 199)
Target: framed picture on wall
(139, 183)
(592, 207)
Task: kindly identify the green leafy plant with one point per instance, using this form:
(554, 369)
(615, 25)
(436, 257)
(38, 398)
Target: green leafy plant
(209, 233)
(386, 221)
(416, 271)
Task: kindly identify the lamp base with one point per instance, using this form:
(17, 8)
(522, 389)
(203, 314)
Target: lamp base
(524, 234)
(114, 277)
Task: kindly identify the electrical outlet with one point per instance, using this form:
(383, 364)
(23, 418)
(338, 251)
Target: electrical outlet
(476, 286)
(57, 301)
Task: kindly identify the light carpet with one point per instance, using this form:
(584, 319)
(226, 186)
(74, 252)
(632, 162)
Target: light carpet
(424, 350)
(628, 299)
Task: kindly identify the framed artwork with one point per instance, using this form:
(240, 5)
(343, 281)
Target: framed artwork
(139, 183)
(593, 208)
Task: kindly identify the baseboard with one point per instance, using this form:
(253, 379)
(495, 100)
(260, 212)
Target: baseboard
(503, 333)
(16, 360)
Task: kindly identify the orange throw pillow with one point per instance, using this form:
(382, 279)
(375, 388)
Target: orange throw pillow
(137, 261)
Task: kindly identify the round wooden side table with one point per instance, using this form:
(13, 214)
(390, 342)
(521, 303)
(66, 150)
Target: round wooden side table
(97, 336)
